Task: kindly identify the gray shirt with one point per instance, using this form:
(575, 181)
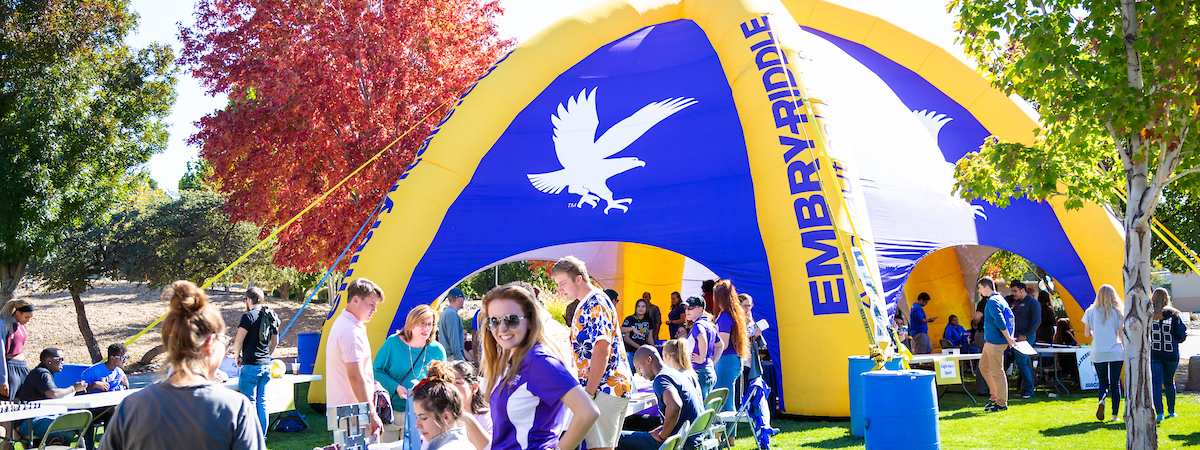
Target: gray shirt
(208, 416)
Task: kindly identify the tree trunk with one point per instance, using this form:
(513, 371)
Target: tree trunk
(85, 328)
(1140, 427)
(285, 291)
(150, 355)
(11, 273)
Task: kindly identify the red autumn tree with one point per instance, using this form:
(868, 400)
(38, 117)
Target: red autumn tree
(317, 87)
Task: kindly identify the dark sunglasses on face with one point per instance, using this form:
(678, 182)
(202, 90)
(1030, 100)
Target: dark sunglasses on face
(509, 321)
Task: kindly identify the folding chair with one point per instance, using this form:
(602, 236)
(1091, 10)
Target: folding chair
(742, 415)
(676, 442)
(74, 422)
(721, 393)
(703, 427)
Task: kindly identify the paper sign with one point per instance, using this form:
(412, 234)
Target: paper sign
(1025, 348)
(762, 324)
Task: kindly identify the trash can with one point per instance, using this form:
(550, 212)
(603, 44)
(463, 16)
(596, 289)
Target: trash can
(901, 410)
(306, 350)
(858, 366)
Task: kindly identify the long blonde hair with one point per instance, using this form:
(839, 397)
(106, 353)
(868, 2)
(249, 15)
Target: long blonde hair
(415, 316)
(499, 364)
(190, 321)
(1108, 301)
(1161, 301)
(675, 354)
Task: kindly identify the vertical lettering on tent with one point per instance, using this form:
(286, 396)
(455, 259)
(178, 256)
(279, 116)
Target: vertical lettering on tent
(810, 200)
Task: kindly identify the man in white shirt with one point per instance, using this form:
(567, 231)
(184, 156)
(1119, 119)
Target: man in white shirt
(350, 378)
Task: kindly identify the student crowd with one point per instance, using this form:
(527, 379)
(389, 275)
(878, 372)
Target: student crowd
(1026, 315)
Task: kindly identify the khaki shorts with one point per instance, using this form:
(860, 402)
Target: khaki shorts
(607, 429)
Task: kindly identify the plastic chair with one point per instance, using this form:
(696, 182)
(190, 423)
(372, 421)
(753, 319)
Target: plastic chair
(703, 427)
(715, 404)
(721, 393)
(671, 443)
(75, 422)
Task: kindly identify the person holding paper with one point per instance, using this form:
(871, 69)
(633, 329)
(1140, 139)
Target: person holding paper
(997, 334)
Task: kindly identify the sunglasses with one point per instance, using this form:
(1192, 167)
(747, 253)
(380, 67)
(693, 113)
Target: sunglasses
(509, 321)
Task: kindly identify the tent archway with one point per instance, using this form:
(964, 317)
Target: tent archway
(742, 179)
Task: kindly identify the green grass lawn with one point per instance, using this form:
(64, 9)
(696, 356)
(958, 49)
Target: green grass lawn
(1040, 423)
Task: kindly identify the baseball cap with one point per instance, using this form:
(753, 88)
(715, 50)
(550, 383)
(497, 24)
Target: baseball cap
(455, 293)
(694, 302)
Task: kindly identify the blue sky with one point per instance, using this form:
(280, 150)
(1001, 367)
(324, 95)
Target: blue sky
(160, 21)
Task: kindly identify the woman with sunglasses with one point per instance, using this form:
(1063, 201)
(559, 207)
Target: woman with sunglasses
(188, 409)
(530, 388)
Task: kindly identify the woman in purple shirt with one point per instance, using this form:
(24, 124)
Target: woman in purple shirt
(703, 337)
(531, 390)
(733, 344)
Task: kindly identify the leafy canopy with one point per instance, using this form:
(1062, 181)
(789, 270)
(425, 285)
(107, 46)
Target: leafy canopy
(1068, 58)
(315, 89)
(78, 110)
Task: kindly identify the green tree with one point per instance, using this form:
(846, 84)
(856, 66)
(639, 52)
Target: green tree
(1178, 212)
(1115, 84)
(188, 238)
(78, 109)
(478, 284)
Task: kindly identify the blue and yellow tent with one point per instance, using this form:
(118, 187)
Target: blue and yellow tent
(763, 139)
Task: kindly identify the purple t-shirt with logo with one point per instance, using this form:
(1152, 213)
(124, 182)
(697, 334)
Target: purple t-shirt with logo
(725, 325)
(528, 412)
(703, 331)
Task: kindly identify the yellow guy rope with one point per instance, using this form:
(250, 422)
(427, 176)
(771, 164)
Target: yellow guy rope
(210, 280)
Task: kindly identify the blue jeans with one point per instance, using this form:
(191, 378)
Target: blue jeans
(729, 369)
(1162, 375)
(252, 382)
(1025, 366)
(1109, 375)
(705, 376)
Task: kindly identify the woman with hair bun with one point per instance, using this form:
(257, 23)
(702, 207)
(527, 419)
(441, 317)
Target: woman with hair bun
(188, 408)
(439, 406)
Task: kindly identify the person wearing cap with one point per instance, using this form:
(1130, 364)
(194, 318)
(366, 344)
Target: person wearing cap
(703, 339)
(450, 329)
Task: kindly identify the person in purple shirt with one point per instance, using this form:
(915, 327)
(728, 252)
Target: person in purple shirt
(733, 342)
(703, 337)
(531, 389)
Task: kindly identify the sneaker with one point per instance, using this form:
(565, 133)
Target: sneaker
(995, 408)
(1158, 418)
(1026, 396)
(1170, 414)
(1100, 412)
(989, 404)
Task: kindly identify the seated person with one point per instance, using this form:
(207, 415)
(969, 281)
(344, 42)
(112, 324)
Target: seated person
(107, 375)
(39, 385)
(957, 337)
(678, 398)
(1063, 334)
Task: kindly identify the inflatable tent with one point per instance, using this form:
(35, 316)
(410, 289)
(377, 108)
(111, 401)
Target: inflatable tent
(766, 140)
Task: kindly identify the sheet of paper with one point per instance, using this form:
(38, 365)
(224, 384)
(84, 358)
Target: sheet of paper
(1025, 348)
(762, 324)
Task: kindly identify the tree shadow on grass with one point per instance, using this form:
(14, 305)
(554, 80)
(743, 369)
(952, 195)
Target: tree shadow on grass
(1080, 428)
(844, 441)
(962, 414)
(1186, 439)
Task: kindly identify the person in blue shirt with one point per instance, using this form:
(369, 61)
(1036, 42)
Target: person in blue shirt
(918, 329)
(957, 337)
(997, 336)
(450, 330)
(108, 375)
(1027, 315)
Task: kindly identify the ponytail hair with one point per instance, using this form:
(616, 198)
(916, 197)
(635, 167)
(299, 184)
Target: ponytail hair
(476, 404)
(437, 394)
(675, 353)
(190, 321)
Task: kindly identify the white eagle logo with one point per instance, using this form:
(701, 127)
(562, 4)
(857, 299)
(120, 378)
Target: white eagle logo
(585, 159)
(933, 122)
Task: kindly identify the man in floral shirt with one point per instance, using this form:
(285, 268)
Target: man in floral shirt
(596, 337)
